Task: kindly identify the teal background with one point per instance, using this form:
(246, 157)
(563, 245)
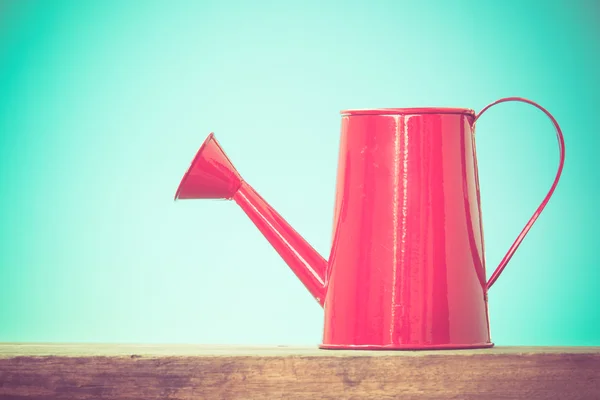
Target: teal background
(103, 105)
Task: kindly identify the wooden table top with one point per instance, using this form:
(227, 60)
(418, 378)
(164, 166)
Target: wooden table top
(143, 371)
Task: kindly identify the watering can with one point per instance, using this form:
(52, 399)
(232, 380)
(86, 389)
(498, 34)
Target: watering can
(406, 269)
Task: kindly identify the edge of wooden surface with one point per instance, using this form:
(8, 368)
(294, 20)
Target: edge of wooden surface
(11, 350)
(84, 371)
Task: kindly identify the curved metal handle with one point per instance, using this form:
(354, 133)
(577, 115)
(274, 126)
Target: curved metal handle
(561, 147)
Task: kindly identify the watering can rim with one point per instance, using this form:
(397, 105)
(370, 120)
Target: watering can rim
(408, 111)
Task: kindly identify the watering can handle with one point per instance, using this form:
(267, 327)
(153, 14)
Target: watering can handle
(561, 147)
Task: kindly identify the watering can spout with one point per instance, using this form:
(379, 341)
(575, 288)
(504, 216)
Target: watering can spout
(212, 176)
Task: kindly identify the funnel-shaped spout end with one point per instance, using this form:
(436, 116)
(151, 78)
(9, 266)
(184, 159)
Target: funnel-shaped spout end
(210, 176)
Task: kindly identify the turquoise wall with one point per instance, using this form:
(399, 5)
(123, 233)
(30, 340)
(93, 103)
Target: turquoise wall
(103, 105)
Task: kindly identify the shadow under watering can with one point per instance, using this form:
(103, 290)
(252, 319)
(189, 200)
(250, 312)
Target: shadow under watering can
(406, 268)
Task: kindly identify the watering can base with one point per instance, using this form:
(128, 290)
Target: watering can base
(405, 346)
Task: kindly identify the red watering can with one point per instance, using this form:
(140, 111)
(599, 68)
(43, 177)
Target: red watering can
(407, 266)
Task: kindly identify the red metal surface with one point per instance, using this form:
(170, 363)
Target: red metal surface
(306, 262)
(412, 110)
(407, 267)
(210, 176)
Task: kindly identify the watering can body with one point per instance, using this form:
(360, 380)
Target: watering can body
(406, 268)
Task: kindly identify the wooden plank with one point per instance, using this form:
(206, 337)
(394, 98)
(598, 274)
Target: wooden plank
(92, 371)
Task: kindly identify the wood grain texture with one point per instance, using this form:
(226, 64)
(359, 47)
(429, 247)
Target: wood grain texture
(85, 371)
